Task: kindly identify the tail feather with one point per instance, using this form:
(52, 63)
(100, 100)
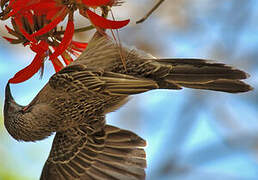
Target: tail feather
(231, 86)
(203, 74)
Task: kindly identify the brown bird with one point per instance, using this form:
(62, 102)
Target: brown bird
(75, 100)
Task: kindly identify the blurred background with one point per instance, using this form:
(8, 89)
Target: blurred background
(191, 134)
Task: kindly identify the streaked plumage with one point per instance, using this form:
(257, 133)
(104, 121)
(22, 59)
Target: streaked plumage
(75, 100)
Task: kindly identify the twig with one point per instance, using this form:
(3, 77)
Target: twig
(87, 28)
(150, 12)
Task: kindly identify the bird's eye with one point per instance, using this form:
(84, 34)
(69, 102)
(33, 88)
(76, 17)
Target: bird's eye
(21, 111)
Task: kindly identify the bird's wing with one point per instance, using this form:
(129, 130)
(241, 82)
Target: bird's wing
(82, 78)
(95, 152)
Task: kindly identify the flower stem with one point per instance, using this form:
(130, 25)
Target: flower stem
(87, 28)
(150, 12)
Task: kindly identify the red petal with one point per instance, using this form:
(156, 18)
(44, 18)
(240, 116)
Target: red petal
(8, 39)
(52, 24)
(34, 66)
(66, 41)
(28, 71)
(16, 6)
(94, 3)
(75, 49)
(79, 45)
(67, 58)
(11, 40)
(29, 16)
(14, 33)
(74, 52)
(57, 64)
(105, 23)
(52, 13)
(24, 33)
(42, 6)
(41, 47)
(8, 29)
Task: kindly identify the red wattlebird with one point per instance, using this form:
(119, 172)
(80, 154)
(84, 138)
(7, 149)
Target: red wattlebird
(75, 100)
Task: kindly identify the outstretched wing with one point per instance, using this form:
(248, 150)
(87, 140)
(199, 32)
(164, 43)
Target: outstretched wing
(95, 151)
(79, 77)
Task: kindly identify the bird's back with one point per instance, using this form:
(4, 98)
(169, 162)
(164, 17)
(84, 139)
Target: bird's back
(171, 73)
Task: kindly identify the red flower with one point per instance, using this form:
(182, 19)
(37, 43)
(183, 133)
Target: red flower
(34, 66)
(104, 23)
(35, 24)
(42, 45)
(57, 10)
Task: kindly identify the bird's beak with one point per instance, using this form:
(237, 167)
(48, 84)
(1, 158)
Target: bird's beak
(8, 95)
(10, 105)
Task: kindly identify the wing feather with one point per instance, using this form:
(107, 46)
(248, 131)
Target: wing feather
(95, 80)
(81, 153)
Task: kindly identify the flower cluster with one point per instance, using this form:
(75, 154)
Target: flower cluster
(35, 23)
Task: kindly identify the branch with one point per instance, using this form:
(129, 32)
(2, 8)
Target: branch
(150, 12)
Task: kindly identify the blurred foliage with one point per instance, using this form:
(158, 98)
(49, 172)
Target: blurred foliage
(5, 172)
(9, 175)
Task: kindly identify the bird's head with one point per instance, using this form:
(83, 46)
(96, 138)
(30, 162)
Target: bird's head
(12, 112)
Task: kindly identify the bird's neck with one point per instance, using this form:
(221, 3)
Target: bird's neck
(29, 127)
